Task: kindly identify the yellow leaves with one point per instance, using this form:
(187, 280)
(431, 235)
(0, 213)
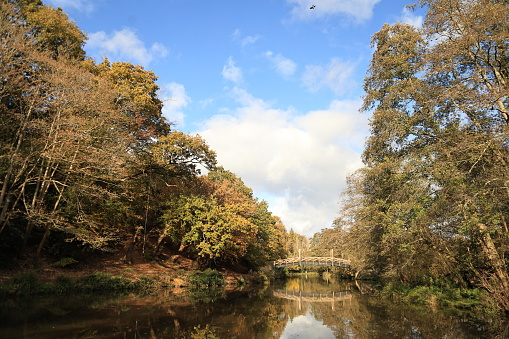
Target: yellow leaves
(54, 31)
(137, 97)
(225, 222)
(183, 153)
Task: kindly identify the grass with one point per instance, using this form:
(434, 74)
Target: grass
(29, 284)
(208, 278)
(435, 296)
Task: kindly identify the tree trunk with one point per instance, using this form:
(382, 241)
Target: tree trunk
(43, 241)
(499, 286)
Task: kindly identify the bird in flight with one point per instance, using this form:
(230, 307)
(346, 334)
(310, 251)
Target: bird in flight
(312, 7)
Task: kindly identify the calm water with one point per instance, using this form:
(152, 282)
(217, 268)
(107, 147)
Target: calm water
(300, 308)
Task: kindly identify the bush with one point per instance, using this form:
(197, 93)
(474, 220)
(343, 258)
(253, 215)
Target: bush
(208, 278)
(145, 284)
(25, 284)
(63, 284)
(326, 275)
(104, 282)
(276, 274)
(206, 332)
(65, 262)
(260, 279)
(29, 284)
(434, 296)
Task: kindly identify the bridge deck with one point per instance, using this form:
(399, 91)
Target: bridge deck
(321, 261)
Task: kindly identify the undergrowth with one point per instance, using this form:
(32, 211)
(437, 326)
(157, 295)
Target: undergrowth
(29, 284)
(437, 296)
(208, 278)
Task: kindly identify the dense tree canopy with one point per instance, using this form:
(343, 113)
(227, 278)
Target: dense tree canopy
(222, 221)
(88, 161)
(431, 201)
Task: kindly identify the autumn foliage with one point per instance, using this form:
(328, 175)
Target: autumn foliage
(430, 205)
(88, 162)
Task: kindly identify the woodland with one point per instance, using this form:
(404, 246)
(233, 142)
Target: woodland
(430, 205)
(88, 164)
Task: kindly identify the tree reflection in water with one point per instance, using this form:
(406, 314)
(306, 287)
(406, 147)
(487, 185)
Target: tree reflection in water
(323, 309)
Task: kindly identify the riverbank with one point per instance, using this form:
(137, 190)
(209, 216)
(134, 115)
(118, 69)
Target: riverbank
(302, 306)
(171, 271)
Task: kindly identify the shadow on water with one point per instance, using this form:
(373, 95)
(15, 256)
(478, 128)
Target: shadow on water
(304, 307)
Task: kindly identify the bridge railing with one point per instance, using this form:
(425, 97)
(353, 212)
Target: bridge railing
(297, 295)
(322, 261)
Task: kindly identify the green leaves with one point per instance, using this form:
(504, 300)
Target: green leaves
(85, 151)
(182, 154)
(53, 30)
(435, 174)
(224, 222)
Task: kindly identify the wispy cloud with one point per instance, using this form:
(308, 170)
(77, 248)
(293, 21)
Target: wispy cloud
(358, 10)
(283, 66)
(125, 45)
(244, 40)
(297, 162)
(86, 6)
(174, 99)
(337, 76)
(231, 72)
(409, 17)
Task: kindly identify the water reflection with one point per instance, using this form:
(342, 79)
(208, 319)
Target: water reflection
(300, 308)
(306, 293)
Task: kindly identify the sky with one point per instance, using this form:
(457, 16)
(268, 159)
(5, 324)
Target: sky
(273, 86)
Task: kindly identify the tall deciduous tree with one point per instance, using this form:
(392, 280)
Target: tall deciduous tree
(137, 99)
(86, 153)
(432, 198)
(223, 222)
(52, 29)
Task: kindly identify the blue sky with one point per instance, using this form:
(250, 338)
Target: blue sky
(272, 85)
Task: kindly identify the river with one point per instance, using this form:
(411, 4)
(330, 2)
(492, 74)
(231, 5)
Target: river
(304, 307)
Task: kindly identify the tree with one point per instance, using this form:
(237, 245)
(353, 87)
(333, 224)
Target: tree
(86, 154)
(435, 169)
(65, 149)
(221, 221)
(182, 154)
(296, 244)
(137, 100)
(52, 29)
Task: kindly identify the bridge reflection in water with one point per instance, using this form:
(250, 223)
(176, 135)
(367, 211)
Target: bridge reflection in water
(300, 296)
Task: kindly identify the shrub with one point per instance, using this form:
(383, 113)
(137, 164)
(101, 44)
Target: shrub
(206, 332)
(145, 284)
(276, 273)
(65, 262)
(103, 282)
(208, 278)
(25, 284)
(63, 284)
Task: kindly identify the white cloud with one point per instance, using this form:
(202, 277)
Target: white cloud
(244, 40)
(337, 76)
(306, 326)
(298, 163)
(86, 6)
(125, 45)
(359, 10)
(175, 99)
(284, 66)
(231, 72)
(410, 18)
